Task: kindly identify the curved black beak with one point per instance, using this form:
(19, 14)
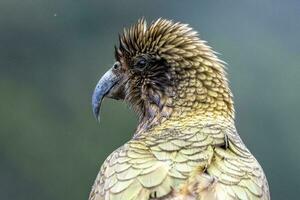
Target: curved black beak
(105, 84)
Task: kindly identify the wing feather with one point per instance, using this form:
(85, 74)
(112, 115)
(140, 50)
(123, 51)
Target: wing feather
(150, 167)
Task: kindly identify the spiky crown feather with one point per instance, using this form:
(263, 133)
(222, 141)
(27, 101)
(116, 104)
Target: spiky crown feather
(188, 68)
(159, 38)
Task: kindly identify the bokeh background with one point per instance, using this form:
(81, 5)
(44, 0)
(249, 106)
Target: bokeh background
(52, 53)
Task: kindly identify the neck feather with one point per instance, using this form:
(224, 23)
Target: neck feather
(200, 89)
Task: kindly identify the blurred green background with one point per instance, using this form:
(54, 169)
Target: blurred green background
(52, 53)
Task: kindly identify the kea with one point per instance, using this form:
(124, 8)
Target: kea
(186, 146)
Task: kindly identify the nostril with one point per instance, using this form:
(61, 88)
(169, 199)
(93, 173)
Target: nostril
(116, 65)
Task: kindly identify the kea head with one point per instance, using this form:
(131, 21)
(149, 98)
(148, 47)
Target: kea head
(164, 70)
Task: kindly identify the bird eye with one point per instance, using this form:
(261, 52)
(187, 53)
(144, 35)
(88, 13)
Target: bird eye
(141, 64)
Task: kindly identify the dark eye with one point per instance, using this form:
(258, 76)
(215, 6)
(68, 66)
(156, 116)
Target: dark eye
(141, 63)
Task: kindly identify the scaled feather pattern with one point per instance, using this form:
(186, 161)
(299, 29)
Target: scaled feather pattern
(186, 146)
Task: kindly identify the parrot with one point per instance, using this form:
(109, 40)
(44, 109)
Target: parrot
(185, 146)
